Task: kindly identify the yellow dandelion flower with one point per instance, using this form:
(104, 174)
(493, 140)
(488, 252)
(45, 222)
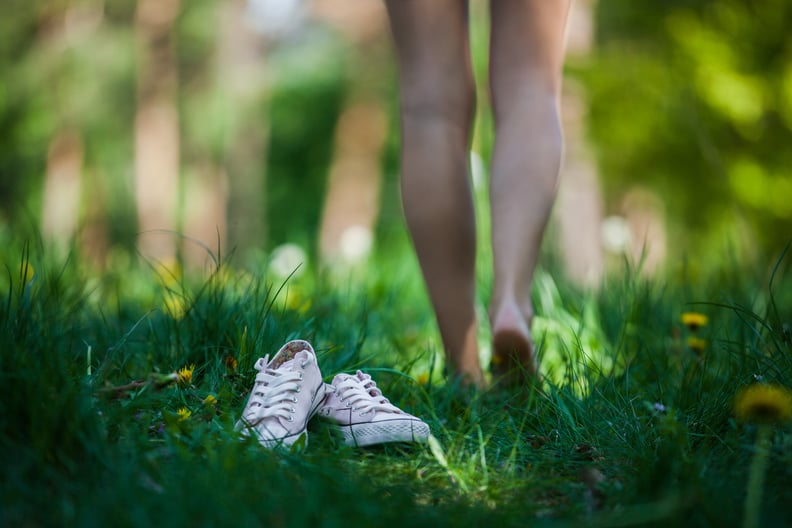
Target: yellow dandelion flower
(183, 413)
(294, 299)
(223, 277)
(27, 272)
(694, 320)
(231, 363)
(169, 272)
(174, 305)
(763, 403)
(423, 378)
(185, 374)
(210, 400)
(696, 344)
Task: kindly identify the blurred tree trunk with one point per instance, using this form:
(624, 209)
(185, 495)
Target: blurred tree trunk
(353, 190)
(579, 211)
(157, 130)
(205, 192)
(352, 202)
(68, 28)
(241, 80)
(62, 183)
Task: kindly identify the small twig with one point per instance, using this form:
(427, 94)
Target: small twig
(120, 389)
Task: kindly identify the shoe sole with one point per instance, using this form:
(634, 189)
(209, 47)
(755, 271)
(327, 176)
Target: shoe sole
(366, 434)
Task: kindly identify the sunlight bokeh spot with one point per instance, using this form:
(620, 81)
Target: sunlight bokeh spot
(288, 260)
(615, 234)
(356, 243)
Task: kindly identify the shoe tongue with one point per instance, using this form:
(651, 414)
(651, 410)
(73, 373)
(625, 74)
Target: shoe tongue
(366, 379)
(288, 363)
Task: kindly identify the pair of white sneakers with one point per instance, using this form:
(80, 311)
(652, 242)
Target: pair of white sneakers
(289, 391)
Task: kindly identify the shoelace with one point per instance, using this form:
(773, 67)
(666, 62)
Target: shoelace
(361, 393)
(273, 393)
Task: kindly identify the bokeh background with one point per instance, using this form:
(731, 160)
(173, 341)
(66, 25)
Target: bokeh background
(174, 130)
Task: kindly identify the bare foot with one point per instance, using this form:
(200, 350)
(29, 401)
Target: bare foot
(466, 365)
(513, 357)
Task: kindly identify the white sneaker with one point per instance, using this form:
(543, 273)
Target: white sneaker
(287, 393)
(357, 409)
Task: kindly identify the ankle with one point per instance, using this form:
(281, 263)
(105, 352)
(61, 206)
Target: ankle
(462, 357)
(511, 315)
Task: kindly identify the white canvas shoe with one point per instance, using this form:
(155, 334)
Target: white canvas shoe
(288, 391)
(360, 412)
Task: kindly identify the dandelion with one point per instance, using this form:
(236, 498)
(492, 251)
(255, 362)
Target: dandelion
(184, 375)
(210, 400)
(27, 272)
(223, 277)
(694, 320)
(764, 405)
(296, 300)
(423, 378)
(231, 363)
(696, 344)
(183, 413)
(169, 272)
(174, 305)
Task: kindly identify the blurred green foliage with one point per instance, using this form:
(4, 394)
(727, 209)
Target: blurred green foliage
(690, 99)
(306, 100)
(694, 101)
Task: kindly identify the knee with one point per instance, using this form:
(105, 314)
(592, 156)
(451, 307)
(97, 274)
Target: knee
(526, 96)
(433, 100)
(527, 112)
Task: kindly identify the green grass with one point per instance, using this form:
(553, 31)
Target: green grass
(631, 427)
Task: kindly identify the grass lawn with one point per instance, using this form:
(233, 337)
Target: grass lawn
(634, 424)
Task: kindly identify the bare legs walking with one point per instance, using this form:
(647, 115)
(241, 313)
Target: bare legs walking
(437, 109)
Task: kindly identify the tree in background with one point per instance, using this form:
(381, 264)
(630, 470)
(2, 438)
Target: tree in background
(689, 109)
(63, 119)
(157, 136)
(352, 203)
(692, 101)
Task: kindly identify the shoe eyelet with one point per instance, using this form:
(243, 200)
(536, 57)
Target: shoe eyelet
(303, 364)
(292, 410)
(290, 419)
(294, 399)
(300, 373)
(299, 388)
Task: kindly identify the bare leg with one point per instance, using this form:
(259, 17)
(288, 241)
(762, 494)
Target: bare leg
(437, 106)
(526, 59)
